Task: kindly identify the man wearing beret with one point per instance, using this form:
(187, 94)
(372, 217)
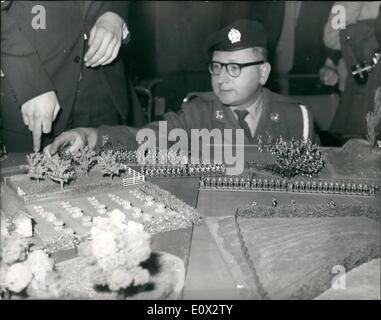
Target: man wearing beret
(239, 70)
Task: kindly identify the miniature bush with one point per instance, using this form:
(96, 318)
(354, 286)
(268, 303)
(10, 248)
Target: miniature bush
(108, 164)
(60, 170)
(37, 166)
(85, 159)
(295, 157)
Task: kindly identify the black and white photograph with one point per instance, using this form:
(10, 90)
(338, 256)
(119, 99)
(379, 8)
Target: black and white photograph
(185, 152)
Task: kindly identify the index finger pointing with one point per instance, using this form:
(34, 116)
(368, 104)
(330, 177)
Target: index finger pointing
(37, 136)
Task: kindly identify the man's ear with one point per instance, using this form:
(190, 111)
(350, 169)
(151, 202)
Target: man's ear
(264, 72)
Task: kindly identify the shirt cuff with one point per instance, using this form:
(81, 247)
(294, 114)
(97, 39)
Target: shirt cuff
(125, 31)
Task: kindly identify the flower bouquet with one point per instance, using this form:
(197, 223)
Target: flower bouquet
(117, 263)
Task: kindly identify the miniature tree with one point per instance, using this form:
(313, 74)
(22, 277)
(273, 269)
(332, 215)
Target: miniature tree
(373, 118)
(85, 159)
(37, 166)
(108, 164)
(60, 170)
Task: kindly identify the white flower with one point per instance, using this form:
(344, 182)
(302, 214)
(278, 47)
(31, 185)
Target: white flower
(141, 276)
(52, 287)
(18, 277)
(117, 217)
(119, 278)
(118, 248)
(3, 275)
(101, 223)
(24, 226)
(40, 264)
(13, 248)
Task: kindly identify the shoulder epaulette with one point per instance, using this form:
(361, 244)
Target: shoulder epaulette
(5, 4)
(203, 95)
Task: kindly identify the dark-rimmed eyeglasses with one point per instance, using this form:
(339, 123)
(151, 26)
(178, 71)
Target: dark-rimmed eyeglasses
(233, 69)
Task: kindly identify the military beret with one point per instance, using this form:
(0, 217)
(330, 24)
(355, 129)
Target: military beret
(238, 35)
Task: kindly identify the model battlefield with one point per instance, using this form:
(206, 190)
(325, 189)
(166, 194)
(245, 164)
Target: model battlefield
(94, 212)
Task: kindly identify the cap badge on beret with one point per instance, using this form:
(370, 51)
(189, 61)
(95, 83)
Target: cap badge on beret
(234, 35)
(219, 114)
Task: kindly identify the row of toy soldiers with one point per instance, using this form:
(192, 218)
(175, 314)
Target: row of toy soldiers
(152, 171)
(184, 170)
(206, 169)
(286, 185)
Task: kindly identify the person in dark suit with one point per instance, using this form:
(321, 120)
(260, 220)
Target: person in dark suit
(60, 69)
(239, 70)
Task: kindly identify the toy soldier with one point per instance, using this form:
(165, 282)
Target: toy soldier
(365, 189)
(342, 187)
(242, 183)
(265, 184)
(260, 144)
(293, 203)
(259, 184)
(313, 186)
(325, 186)
(348, 187)
(359, 188)
(302, 186)
(372, 190)
(269, 142)
(337, 187)
(225, 182)
(308, 186)
(284, 185)
(320, 186)
(330, 187)
(247, 184)
(354, 188)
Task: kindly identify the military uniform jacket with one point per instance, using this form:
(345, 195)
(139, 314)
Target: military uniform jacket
(35, 61)
(281, 116)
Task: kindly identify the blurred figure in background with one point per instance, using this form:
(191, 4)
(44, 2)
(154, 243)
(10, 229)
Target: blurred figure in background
(350, 47)
(300, 53)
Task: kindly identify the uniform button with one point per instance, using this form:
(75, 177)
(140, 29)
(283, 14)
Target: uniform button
(76, 59)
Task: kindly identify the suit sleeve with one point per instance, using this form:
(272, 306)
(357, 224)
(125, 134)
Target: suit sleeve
(118, 7)
(184, 119)
(20, 62)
